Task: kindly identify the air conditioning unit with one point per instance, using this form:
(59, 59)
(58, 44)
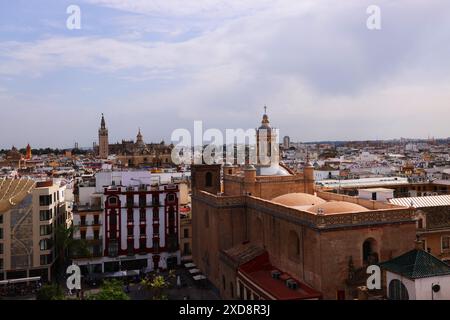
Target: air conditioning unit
(292, 284)
(276, 274)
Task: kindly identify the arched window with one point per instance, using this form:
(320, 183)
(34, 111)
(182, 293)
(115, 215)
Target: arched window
(397, 290)
(208, 179)
(294, 245)
(370, 255)
(112, 201)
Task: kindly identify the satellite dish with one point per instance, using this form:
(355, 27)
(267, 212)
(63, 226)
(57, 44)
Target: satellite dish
(436, 288)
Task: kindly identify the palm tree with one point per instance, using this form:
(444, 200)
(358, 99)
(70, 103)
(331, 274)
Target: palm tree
(67, 246)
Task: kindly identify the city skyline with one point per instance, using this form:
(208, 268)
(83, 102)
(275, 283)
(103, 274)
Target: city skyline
(161, 66)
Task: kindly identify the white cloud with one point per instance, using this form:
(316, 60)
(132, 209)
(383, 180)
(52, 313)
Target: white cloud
(210, 9)
(320, 71)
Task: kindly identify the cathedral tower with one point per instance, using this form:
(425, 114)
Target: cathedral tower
(103, 144)
(28, 153)
(266, 142)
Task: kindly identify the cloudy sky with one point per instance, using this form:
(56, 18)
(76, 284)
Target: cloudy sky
(161, 64)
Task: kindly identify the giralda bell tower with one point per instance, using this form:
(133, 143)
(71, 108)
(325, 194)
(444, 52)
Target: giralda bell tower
(103, 143)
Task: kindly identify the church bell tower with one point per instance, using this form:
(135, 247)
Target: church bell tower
(103, 144)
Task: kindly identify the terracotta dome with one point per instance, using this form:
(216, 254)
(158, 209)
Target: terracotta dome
(337, 207)
(298, 199)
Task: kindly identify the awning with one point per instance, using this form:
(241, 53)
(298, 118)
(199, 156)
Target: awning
(118, 274)
(193, 271)
(190, 265)
(20, 280)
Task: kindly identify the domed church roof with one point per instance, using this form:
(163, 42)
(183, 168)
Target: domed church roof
(336, 207)
(298, 199)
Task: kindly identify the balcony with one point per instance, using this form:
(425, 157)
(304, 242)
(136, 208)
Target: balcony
(89, 224)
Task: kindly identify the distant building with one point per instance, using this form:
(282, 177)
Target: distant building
(28, 152)
(141, 154)
(433, 222)
(103, 144)
(376, 194)
(286, 142)
(133, 154)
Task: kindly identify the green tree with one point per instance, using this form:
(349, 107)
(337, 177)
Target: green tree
(110, 290)
(50, 292)
(158, 284)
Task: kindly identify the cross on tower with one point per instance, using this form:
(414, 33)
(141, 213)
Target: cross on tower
(265, 109)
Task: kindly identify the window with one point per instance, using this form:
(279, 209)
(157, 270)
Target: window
(142, 230)
(96, 250)
(397, 290)
(223, 283)
(96, 234)
(1, 264)
(45, 200)
(130, 247)
(130, 201)
(186, 248)
(112, 201)
(113, 248)
(142, 200)
(1, 249)
(186, 233)
(83, 220)
(155, 200)
(142, 215)
(113, 218)
(231, 290)
(369, 249)
(130, 216)
(208, 179)
(130, 231)
(1, 218)
(96, 219)
(1, 233)
(45, 215)
(445, 243)
(45, 244)
(156, 244)
(45, 230)
(420, 224)
(171, 198)
(45, 259)
(142, 244)
(83, 234)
